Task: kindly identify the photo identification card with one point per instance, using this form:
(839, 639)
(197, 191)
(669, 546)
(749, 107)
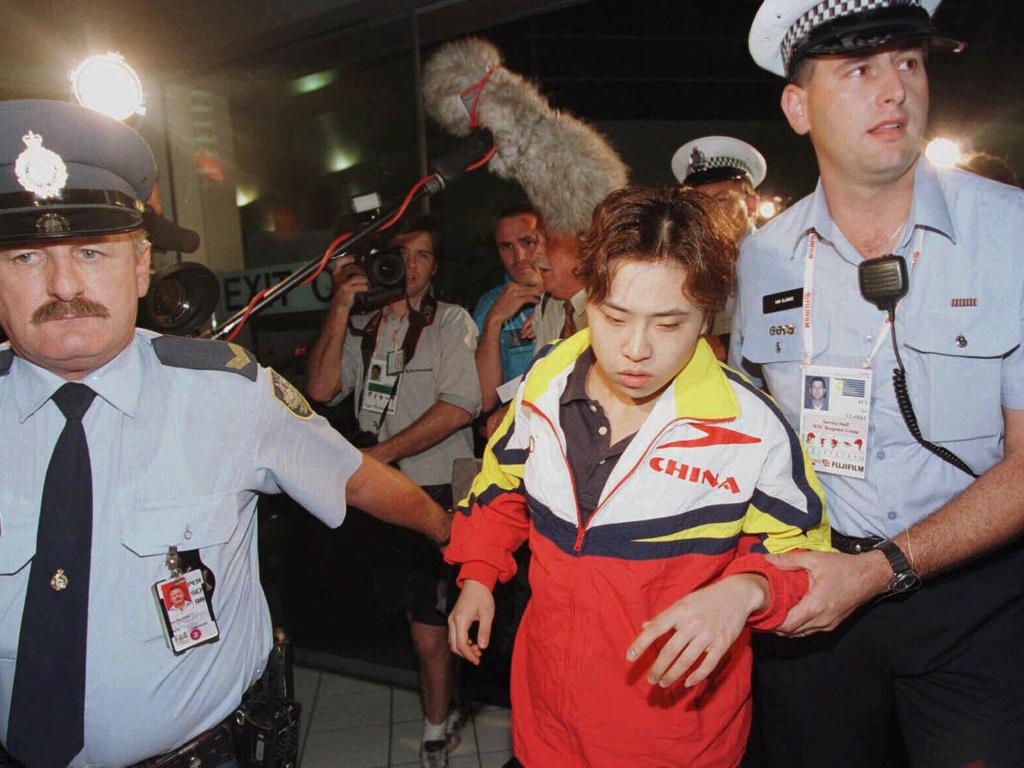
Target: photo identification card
(187, 614)
(836, 403)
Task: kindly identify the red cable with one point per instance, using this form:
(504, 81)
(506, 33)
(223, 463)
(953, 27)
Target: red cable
(408, 199)
(248, 311)
(483, 160)
(477, 89)
(327, 257)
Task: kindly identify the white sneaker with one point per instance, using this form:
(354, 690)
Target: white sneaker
(433, 754)
(457, 718)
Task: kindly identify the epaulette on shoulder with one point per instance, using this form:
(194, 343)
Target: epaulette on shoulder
(6, 358)
(205, 355)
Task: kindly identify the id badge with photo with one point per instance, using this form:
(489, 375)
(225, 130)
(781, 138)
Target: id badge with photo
(380, 384)
(834, 418)
(186, 611)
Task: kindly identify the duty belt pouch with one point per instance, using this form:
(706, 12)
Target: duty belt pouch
(267, 723)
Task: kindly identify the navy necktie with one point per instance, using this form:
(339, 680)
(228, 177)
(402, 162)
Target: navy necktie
(45, 728)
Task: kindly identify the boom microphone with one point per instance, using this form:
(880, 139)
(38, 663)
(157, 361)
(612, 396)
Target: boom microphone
(564, 165)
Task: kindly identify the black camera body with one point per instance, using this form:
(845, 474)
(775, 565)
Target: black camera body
(385, 272)
(363, 438)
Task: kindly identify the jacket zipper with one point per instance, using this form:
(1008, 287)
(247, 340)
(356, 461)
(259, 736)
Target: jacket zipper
(581, 529)
(578, 545)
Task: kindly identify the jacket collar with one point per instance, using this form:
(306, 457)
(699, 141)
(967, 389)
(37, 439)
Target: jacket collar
(700, 390)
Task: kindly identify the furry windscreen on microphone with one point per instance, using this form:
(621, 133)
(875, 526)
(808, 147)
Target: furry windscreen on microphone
(565, 166)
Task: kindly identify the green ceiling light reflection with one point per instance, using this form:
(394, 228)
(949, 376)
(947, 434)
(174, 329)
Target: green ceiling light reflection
(312, 82)
(340, 161)
(245, 194)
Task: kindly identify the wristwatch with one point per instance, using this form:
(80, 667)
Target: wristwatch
(904, 577)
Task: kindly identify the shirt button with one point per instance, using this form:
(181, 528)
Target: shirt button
(602, 430)
(880, 454)
(593, 408)
(868, 337)
(892, 515)
(602, 461)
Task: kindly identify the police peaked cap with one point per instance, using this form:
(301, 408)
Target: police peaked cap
(785, 32)
(68, 171)
(718, 158)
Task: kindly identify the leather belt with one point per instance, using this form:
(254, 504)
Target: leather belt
(207, 750)
(854, 545)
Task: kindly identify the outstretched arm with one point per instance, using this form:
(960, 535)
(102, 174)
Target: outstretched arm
(390, 496)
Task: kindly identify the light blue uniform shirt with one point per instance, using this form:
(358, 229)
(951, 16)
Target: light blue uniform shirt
(178, 457)
(959, 330)
(516, 352)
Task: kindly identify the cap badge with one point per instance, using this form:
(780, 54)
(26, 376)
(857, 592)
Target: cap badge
(40, 170)
(698, 160)
(52, 224)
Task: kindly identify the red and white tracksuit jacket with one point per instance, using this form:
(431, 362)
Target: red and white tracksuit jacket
(713, 480)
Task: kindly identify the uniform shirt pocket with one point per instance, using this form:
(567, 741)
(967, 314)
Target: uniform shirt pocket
(954, 372)
(17, 547)
(204, 523)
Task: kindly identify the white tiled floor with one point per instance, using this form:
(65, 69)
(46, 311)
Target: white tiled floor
(349, 723)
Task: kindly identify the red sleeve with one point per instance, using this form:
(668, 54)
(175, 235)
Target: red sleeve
(484, 538)
(786, 588)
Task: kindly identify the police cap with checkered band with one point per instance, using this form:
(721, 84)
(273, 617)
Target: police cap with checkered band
(67, 171)
(785, 32)
(718, 158)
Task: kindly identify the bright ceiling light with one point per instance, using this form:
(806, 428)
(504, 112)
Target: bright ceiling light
(944, 153)
(107, 84)
(766, 209)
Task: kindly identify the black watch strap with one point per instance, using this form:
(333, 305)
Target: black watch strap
(904, 577)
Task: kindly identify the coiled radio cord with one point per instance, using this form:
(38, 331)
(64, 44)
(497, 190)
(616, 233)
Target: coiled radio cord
(899, 385)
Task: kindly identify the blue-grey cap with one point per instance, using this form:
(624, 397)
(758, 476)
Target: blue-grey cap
(67, 171)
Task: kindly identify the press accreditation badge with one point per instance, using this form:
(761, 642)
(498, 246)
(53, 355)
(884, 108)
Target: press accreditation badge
(379, 388)
(186, 611)
(834, 418)
(396, 362)
(511, 338)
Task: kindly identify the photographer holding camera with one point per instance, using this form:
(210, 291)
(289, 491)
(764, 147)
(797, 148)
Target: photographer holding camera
(411, 367)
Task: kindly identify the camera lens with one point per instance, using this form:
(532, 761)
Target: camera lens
(385, 268)
(170, 300)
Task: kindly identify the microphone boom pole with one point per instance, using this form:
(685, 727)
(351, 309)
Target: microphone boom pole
(446, 169)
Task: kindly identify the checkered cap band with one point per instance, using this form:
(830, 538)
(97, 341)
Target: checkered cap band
(828, 11)
(713, 163)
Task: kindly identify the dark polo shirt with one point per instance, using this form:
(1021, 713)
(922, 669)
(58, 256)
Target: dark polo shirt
(587, 438)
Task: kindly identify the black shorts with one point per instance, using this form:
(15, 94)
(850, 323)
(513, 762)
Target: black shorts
(416, 576)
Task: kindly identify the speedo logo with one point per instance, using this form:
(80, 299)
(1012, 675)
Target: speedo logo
(694, 474)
